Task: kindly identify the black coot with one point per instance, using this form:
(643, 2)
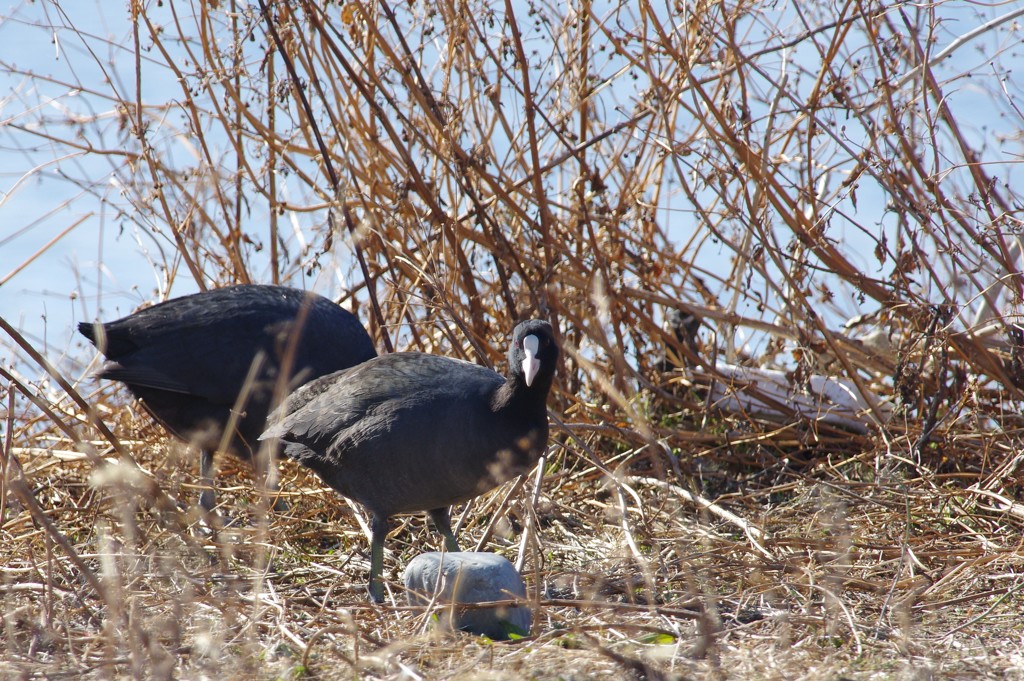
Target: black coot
(414, 432)
(187, 360)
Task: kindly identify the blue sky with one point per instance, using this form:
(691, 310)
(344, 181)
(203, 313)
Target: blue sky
(104, 263)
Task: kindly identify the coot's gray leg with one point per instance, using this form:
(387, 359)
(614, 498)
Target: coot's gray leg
(378, 532)
(280, 505)
(208, 497)
(443, 523)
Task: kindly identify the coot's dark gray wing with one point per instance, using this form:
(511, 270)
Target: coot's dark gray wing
(333, 413)
(204, 344)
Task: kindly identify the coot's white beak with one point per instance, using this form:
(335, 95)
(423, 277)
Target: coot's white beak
(531, 365)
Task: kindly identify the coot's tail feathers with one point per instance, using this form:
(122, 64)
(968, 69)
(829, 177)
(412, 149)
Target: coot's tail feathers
(88, 329)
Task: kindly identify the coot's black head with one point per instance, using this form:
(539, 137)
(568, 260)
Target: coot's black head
(533, 356)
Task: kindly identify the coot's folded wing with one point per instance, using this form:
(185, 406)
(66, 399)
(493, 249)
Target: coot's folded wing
(319, 418)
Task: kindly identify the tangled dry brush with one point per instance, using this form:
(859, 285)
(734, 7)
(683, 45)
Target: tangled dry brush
(727, 209)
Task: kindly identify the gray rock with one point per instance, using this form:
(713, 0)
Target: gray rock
(475, 577)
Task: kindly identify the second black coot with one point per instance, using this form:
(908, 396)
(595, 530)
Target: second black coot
(414, 432)
(187, 360)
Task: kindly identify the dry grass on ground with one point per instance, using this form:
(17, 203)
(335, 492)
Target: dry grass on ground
(843, 565)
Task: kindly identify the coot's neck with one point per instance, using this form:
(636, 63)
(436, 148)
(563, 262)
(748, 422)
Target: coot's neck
(514, 394)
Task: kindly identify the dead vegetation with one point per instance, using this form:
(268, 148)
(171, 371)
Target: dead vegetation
(815, 181)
